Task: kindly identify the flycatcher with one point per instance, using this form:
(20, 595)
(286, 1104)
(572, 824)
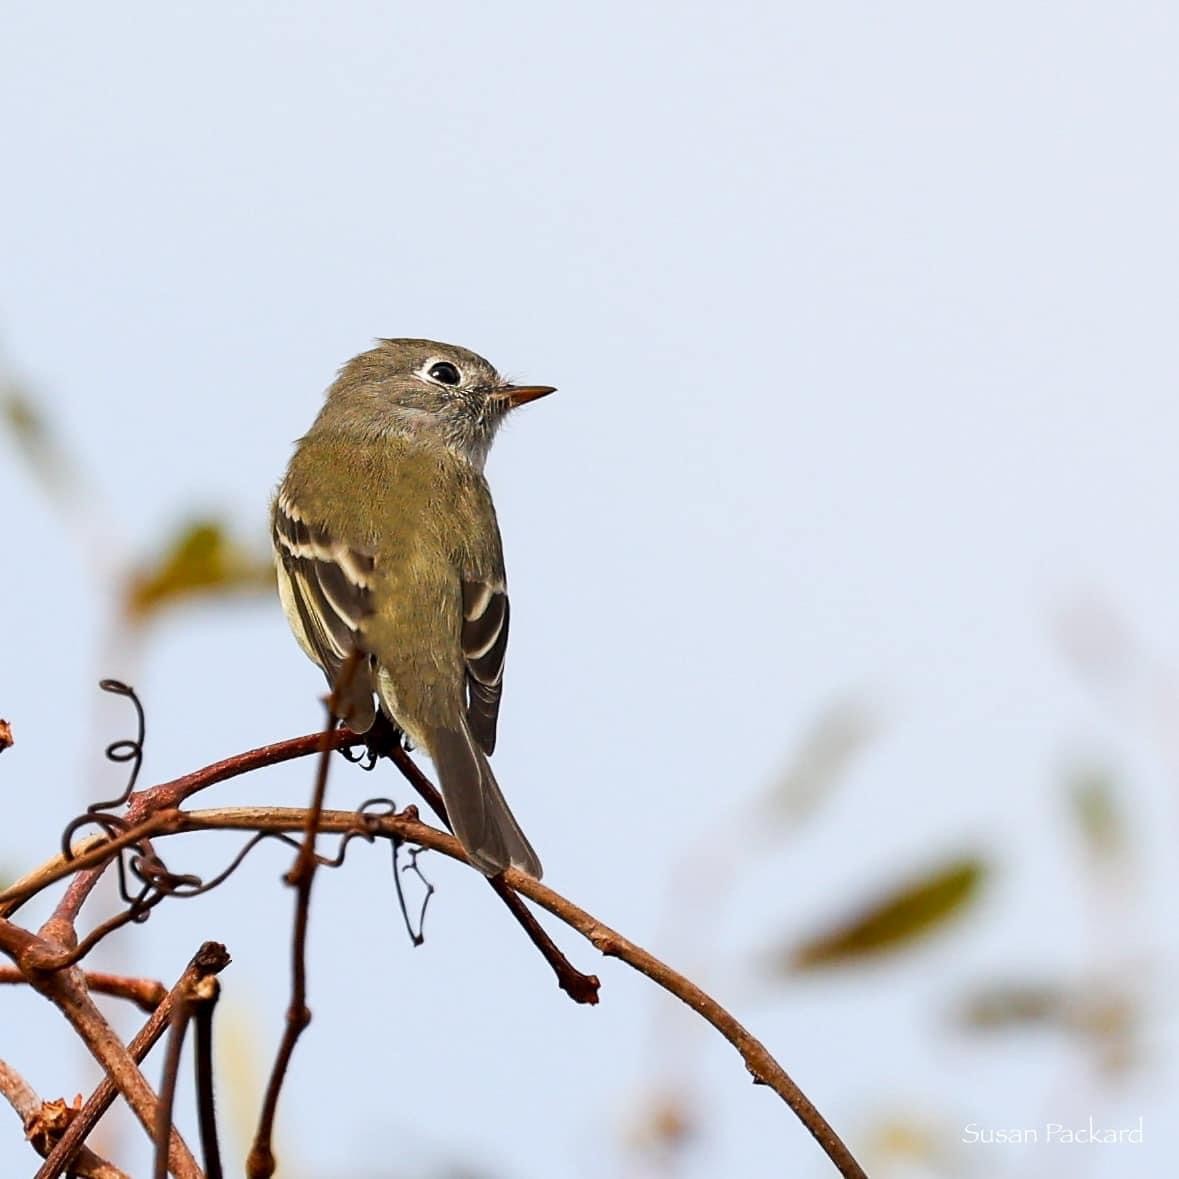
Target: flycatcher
(387, 545)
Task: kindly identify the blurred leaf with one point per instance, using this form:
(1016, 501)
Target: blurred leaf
(912, 911)
(904, 1138)
(1110, 1021)
(241, 1063)
(1104, 1020)
(35, 439)
(1010, 1005)
(22, 417)
(1092, 795)
(665, 1123)
(837, 735)
(6, 740)
(201, 561)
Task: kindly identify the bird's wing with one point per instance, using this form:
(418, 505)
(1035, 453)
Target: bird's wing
(326, 588)
(485, 644)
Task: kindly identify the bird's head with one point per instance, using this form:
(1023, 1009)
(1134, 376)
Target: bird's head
(426, 390)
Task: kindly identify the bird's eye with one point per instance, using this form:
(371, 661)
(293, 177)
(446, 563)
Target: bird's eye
(445, 373)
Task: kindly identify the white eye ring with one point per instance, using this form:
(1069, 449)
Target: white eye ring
(442, 372)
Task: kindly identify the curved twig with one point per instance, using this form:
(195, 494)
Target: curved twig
(760, 1063)
(151, 813)
(209, 960)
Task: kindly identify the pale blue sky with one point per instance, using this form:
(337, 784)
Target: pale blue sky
(863, 323)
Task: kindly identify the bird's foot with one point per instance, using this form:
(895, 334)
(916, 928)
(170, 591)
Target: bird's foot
(383, 737)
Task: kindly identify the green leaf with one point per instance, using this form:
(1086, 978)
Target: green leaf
(201, 561)
(912, 911)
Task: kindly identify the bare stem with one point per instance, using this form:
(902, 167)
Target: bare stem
(206, 993)
(581, 988)
(758, 1060)
(151, 813)
(145, 993)
(181, 1014)
(66, 989)
(209, 960)
(99, 850)
(260, 1163)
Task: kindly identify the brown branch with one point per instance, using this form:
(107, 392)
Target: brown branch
(145, 993)
(99, 849)
(209, 960)
(260, 1163)
(43, 962)
(45, 1122)
(66, 989)
(173, 793)
(204, 1000)
(406, 826)
(40, 962)
(98, 853)
(178, 1025)
(581, 988)
(60, 926)
(18, 1093)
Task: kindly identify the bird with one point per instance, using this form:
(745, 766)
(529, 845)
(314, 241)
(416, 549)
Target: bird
(391, 571)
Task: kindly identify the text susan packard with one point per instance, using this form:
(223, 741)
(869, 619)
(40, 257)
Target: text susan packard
(1089, 1134)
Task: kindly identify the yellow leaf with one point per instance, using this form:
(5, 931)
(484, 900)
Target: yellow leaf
(201, 562)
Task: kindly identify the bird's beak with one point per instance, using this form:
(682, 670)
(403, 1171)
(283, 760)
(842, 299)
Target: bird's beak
(515, 395)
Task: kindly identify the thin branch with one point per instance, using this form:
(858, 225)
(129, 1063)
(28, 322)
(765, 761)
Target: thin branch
(66, 989)
(99, 849)
(31, 951)
(406, 826)
(45, 1121)
(204, 1001)
(173, 793)
(60, 926)
(18, 1093)
(260, 1163)
(145, 993)
(209, 960)
(178, 1025)
(581, 988)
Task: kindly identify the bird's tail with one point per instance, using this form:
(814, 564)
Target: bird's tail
(479, 814)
